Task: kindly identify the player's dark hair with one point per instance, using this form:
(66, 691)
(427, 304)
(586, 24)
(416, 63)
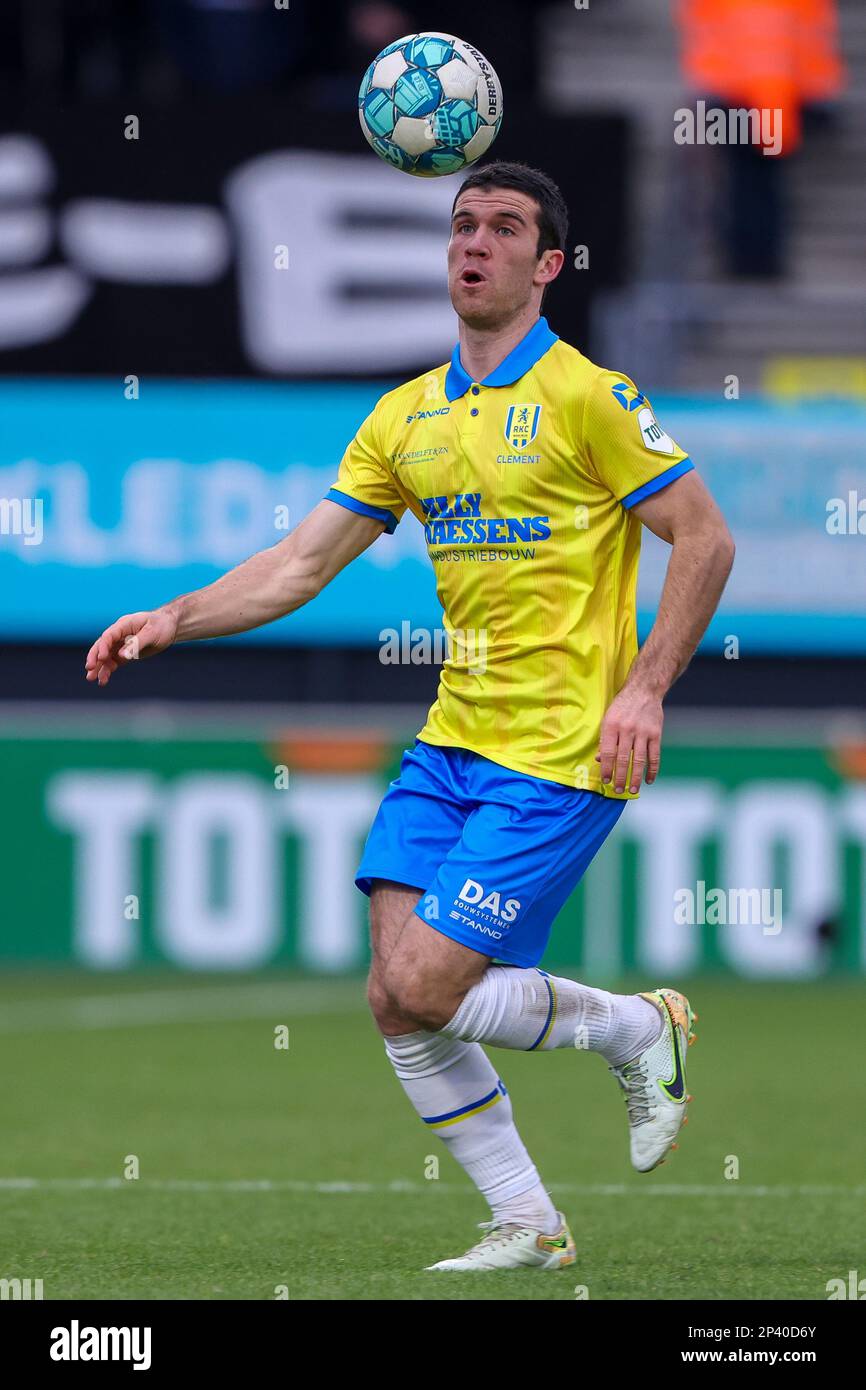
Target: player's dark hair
(552, 211)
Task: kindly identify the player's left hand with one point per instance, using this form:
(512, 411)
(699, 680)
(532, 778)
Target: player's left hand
(631, 731)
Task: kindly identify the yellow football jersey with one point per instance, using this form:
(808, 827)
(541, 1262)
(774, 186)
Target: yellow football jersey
(524, 484)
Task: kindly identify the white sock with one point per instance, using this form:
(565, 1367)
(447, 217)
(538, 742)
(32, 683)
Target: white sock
(532, 1011)
(457, 1093)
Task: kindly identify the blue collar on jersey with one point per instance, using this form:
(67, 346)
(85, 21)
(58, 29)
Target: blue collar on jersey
(519, 361)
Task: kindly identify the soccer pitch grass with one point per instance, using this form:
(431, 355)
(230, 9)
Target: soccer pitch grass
(305, 1168)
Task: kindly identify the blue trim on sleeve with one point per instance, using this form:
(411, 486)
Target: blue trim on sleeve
(670, 475)
(353, 505)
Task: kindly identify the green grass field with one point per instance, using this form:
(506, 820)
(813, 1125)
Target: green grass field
(183, 1074)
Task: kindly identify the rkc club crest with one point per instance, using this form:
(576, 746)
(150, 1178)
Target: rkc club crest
(521, 425)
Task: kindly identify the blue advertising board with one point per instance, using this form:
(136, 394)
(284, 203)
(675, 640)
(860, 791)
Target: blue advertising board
(109, 504)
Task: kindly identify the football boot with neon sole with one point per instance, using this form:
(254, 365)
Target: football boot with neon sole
(512, 1246)
(654, 1082)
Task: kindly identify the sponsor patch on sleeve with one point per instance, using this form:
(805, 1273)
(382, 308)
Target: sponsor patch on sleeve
(652, 433)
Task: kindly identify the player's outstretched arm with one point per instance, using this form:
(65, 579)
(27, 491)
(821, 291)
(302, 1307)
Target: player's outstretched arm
(265, 587)
(685, 515)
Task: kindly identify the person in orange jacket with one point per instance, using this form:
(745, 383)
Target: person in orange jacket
(779, 56)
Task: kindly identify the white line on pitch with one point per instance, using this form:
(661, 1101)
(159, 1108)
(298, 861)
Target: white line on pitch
(208, 1004)
(727, 1189)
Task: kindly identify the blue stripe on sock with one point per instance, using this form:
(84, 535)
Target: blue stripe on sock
(466, 1109)
(550, 1003)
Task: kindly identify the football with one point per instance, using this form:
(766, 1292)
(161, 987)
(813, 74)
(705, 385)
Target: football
(430, 104)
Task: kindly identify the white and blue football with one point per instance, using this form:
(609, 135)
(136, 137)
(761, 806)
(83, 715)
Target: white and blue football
(430, 104)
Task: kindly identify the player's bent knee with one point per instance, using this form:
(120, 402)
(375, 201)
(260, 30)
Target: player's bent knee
(419, 997)
(380, 1002)
(388, 1017)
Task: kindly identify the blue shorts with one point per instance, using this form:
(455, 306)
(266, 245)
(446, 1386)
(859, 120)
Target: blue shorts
(495, 853)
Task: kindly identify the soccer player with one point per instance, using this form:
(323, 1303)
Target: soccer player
(532, 471)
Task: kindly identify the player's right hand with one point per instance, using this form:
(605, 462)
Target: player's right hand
(133, 636)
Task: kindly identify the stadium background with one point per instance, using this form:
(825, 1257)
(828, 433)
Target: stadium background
(206, 280)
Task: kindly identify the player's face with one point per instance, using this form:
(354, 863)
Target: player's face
(492, 255)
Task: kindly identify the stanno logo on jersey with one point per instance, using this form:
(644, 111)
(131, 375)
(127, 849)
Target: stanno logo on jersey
(521, 425)
(428, 414)
(628, 396)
